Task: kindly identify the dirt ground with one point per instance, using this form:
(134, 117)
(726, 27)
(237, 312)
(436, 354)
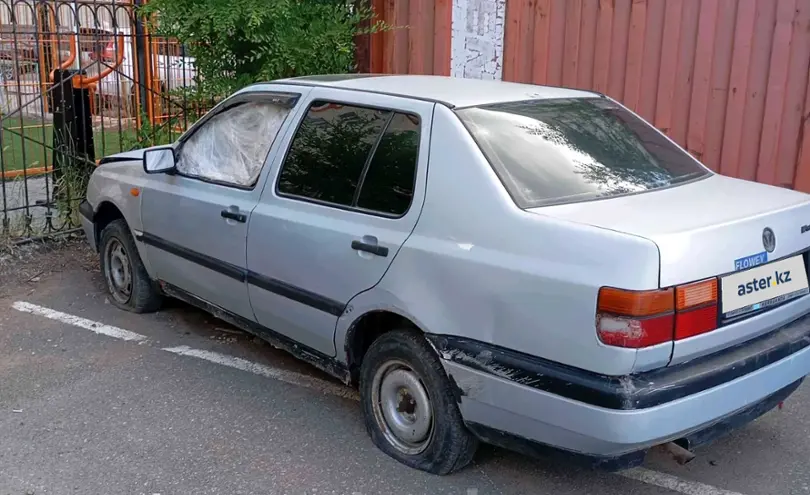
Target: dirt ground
(28, 264)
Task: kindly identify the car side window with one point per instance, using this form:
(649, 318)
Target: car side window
(231, 147)
(329, 151)
(388, 184)
(353, 156)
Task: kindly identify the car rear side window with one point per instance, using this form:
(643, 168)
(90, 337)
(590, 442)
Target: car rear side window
(353, 157)
(388, 185)
(578, 149)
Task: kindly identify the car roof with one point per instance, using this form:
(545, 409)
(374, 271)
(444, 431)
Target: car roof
(450, 91)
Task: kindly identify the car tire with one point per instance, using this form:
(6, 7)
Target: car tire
(128, 284)
(403, 385)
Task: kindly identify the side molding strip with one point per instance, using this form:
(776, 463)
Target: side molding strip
(270, 284)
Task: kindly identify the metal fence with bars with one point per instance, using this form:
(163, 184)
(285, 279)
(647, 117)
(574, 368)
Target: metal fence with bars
(79, 79)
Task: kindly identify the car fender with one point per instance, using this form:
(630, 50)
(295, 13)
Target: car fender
(120, 183)
(372, 300)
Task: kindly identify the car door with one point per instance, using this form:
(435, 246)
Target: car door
(336, 209)
(195, 221)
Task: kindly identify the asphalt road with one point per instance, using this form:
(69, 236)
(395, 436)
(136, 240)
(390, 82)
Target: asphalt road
(82, 410)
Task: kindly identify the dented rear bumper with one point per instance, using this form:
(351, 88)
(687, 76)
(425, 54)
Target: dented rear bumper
(609, 417)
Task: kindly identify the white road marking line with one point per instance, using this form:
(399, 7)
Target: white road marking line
(673, 483)
(641, 474)
(267, 371)
(76, 321)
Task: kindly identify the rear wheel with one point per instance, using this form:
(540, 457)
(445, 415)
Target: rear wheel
(409, 407)
(128, 283)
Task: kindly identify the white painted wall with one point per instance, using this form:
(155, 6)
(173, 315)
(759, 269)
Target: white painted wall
(477, 38)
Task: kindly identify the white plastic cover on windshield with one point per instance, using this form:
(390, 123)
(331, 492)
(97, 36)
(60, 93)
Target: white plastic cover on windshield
(232, 146)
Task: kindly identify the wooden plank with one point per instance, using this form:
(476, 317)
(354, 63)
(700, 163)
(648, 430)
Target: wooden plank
(587, 45)
(604, 33)
(792, 121)
(635, 54)
(525, 54)
(802, 179)
(701, 84)
(378, 39)
(420, 36)
(651, 62)
(667, 71)
(556, 42)
(515, 10)
(735, 106)
(718, 96)
(540, 45)
(684, 71)
(775, 96)
(618, 50)
(442, 31)
(389, 37)
(401, 12)
(362, 47)
(757, 84)
(573, 21)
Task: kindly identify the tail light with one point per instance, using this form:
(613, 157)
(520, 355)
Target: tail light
(696, 308)
(637, 319)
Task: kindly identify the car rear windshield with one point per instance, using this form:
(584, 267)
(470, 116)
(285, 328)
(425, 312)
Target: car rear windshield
(578, 149)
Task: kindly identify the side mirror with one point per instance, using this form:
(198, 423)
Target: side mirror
(159, 161)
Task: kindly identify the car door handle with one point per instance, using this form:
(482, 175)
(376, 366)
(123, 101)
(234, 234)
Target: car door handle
(233, 215)
(370, 248)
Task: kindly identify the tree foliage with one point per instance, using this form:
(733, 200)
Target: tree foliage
(239, 42)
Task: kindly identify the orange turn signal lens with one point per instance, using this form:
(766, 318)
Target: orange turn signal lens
(636, 303)
(696, 294)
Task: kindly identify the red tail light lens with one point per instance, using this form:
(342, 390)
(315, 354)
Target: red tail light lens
(635, 333)
(637, 319)
(695, 322)
(697, 308)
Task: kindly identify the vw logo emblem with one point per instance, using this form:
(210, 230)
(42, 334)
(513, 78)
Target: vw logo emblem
(768, 240)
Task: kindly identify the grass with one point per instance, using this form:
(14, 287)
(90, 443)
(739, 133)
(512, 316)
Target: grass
(35, 149)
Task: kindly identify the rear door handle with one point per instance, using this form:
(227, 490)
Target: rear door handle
(370, 248)
(233, 215)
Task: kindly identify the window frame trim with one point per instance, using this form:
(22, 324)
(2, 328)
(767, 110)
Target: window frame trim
(351, 208)
(280, 98)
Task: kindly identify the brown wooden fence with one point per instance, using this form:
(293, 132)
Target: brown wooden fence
(728, 79)
(420, 42)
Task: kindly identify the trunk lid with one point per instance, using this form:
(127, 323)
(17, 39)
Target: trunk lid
(715, 227)
(706, 228)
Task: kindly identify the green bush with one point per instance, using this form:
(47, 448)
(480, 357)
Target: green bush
(239, 42)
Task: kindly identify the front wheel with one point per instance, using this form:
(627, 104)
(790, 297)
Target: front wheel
(127, 281)
(409, 406)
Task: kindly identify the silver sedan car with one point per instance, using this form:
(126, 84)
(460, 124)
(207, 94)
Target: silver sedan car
(527, 266)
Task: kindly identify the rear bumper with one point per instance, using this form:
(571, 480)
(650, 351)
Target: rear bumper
(515, 395)
(635, 458)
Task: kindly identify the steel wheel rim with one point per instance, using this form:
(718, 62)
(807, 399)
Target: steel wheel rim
(402, 407)
(118, 271)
